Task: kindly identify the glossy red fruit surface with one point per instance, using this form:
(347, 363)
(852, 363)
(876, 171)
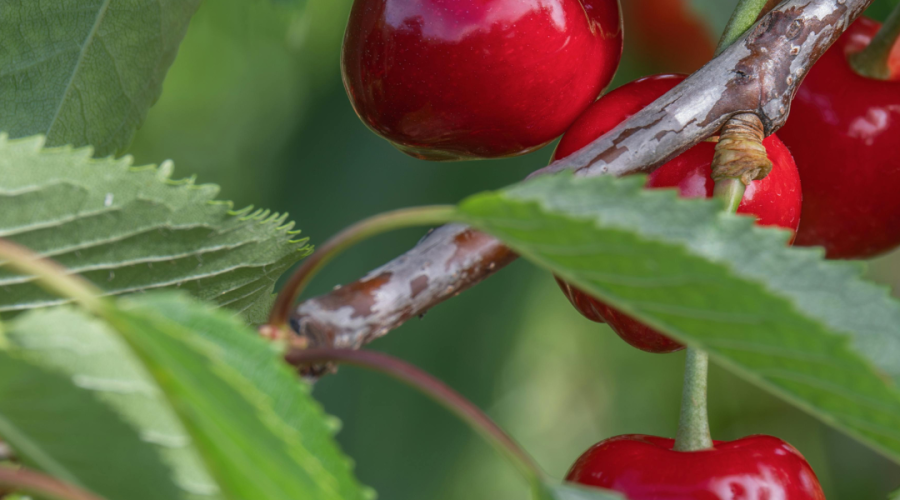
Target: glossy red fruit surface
(775, 200)
(462, 79)
(646, 468)
(844, 133)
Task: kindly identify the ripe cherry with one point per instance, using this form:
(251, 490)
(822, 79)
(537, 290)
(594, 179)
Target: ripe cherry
(843, 132)
(464, 79)
(775, 200)
(647, 468)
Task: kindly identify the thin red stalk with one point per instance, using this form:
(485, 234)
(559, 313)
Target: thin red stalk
(430, 386)
(40, 484)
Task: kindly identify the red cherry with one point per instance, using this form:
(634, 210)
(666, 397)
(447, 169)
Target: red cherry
(646, 468)
(843, 132)
(462, 79)
(775, 200)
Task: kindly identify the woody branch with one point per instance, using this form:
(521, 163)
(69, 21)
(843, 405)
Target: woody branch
(759, 74)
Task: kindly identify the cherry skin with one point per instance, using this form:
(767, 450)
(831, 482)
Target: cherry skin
(646, 468)
(466, 79)
(774, 201)
(843, 131)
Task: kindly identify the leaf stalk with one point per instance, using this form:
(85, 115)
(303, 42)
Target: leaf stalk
(873, 61)
(743, 18)
(434, 389)
(51, 275)
(42, 485)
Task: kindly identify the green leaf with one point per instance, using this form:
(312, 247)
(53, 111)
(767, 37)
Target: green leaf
(57, 426)
(88, 352)
(714, 13)
(571, 491)
(810, 330)
(258, 429)
(132, 229)
(86, 71)
(879, 11)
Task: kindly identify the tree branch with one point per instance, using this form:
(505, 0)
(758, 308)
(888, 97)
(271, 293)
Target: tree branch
(759, 73)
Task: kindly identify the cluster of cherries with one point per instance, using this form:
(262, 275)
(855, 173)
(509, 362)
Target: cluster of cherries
(472, 79)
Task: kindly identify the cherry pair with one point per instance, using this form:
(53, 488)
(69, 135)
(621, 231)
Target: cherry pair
(842, 134)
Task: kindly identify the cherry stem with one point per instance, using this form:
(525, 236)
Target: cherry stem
(433, 388)
(740, 158)
(872, 61)
(741, 154)
(693, 425)
(375, 225)
(42, 485)
(743, 18)
(51, 276)
(731, 191)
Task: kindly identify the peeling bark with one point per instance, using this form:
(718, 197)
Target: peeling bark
(447, 261)
(759, 73)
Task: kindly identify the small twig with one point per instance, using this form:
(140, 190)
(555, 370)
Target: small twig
(40, 484)
(407, 217)
(430, 386)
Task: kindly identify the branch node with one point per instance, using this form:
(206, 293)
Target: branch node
(740, 153)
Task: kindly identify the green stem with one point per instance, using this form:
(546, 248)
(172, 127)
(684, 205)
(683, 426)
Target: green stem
(42, 485)
(388, 221)
(744, 17)
(731, 191)
(693, 423)
(873, 60)
(51, 275)
(433, 388)
(693, 426)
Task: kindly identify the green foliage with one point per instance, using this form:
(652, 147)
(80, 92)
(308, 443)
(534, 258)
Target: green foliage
(714, 13)
(234, 95)
(243, 350)
(242, 415)
(57, 425)
(880, 9)
(812, 331)
(87, 351)
(84, 72)
(132, 229)
(247, 420)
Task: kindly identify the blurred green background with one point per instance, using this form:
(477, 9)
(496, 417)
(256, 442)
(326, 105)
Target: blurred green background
(255, 104)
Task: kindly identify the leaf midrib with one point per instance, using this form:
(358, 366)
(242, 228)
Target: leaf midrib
(101, 14)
